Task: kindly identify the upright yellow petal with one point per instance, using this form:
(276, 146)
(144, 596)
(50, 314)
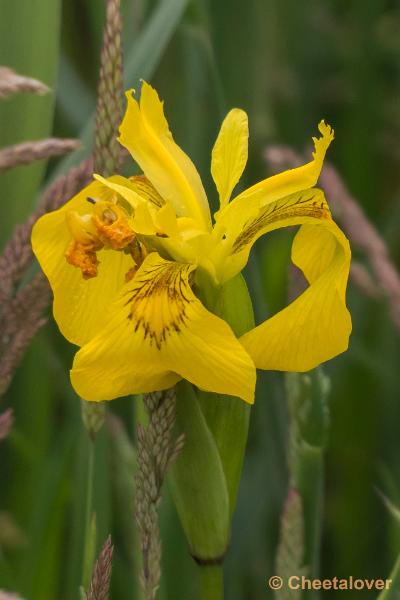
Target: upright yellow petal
(166, 221)
(145, 133)
(159, 332)
(316, 326)
(229, 155)
(293, 180)
(80, 306)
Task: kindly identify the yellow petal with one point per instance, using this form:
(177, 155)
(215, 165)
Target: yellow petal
(316, 326)
(166, 221)
(80, 306)
(143, 222)
(152, 214)
(292, 180)
(145, 133)
(237, 230)
(160, 332)
(146, 190)
(229, 155)
(124, 187)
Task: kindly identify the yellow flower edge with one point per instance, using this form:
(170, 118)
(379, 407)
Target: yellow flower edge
(125, 258)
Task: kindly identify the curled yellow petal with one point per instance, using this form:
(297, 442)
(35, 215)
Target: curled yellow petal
(275, 202)
(316, 326)
(157, 333)
(293, 180)
(237, 230)
(145, 133)
(229, 155)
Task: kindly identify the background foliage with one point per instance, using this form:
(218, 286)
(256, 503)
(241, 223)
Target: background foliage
(288, 65)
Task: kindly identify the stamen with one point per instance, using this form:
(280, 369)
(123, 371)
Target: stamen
(112, 226)
(83, 257)
(106, 226)
(138, 253)
(109, 216)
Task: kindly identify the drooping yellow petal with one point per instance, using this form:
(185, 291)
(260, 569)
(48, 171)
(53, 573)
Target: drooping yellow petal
(237, 230)
(229, 155)
(316, 326)
(159, 332)
(145, 133)
(293, 180)
(80, 306)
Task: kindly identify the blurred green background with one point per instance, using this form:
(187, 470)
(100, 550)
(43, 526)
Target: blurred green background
(288, 64)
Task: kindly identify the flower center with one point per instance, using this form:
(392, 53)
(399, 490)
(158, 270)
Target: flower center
(107, 227)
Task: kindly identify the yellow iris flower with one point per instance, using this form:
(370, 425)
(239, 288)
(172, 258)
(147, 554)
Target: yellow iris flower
(126, 258)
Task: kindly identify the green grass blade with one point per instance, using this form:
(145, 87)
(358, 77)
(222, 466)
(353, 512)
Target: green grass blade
(147, 52)
(142, 60)
(29, 42)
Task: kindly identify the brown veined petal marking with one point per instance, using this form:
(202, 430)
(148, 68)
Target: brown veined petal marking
(239, 227)
(160, 332)
(274, 214)
(146, 314)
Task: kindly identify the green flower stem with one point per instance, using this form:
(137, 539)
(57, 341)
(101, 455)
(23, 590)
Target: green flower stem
(90, 527)
(227, 417)
(205, 479)
(212, 582)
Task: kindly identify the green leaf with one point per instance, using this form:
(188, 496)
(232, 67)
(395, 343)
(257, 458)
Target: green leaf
(90, 552)
(392, 593)
(146, 54)
(198, 483)
(123, 468)
(228, 417)
(141, 62)
(392, 508)
(48, 504)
